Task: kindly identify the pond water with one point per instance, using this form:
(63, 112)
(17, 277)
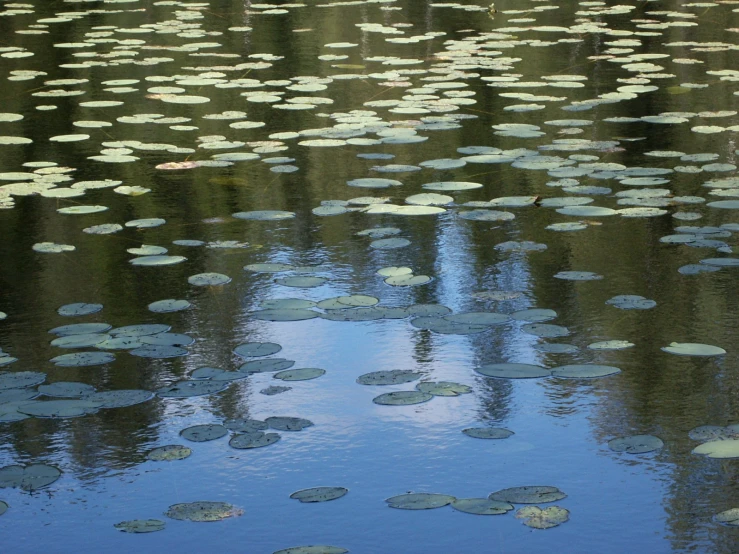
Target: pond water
(357, 215)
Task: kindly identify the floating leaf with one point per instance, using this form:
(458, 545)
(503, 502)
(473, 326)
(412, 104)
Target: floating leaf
(419, 501)
(279, 314)
(202, 511)
(728, 517)
(578, 276)
(402, 398)
(728, 448)
(3, 507)
(301, 282)
(481, 506)
(545, 330)
(488, 432)
(288, 423)
(303, 374)
(266, 365)
(20, 379)
(157, 260)
(389, 377)
(204, 433)
(319, 494)
(636, 444)
(265, 215)
(537, 518)
(208, 279)
(187, 389)
(584, 371)
(255, 439)
(79, 308)
(158, 351)
(169, 453)
(28, 478)
(140, 525)
(65, 389)
(80, 329)
(611, 345)
(631, 302)
(83, 359)
(443, 388)
(528, 495)
(168, 305)
(513, 371)
(693, 349)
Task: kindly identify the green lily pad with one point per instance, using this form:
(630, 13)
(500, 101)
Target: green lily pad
(168, 339)
(584, 371)
(80, 329)
(64, 389)
(313, 549)
(82, 210)
(147, 250)
(722, 449)
(216, 374)
(59, 408)
(419, 501)
(28, 478)
(402, 398)
(140, 330)
(265, 215)
(636, 444)
(140, 525)
(301, 282)
(443, 388)
(120, 398)
(187, 389)
(728, 517)
(488, 432)
(208, 279)
(390, 243)
(389, 377)
(241, 425)
(536, 494)
(3, 507)
(256, 349)
(266, 365)
(202, 511)
(83, 359)
(79, 308)
(157, 260)
(288, 423)
(631, 302)
(611, 345)
(693, 349)
(547, 518)
(408, 280)
(284, 314)
(487, 215)
(481, 506)
(451, 186)
(255, 439)
(158, 351)
(52, 248)
(578, 276)
(204, 433)
(288, 304)
(513, 371)
(20, 379)
(545, 330)
(319, 494)
(303, 374)
(111, 343)
(534, 315)
(269, 268)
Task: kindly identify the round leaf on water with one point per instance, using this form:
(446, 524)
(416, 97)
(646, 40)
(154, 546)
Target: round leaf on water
(266, 365)
(28, 478)
(545, 330)
(121, 398)
(534, 314)
(257, 349)
(728, 517)
(288, 423)
(728, 448)
(80, 329)
(693, 349)
(59, 408)
(586, 211)
(389, 377)
(488, 432)
(419, 501)
(20, 379)
(83, 359)
(80, 341)
(204, 433)
(202, 511)
(158, 351)
(402, 398)
(241, 425)
(52, 247)
(584, 371)
(358, 300)
(265, 215)
(140, 330)
(478, 318)
(287, 304)
(216, 374)
(631, 302)
(536, 494)
(513, 371)
(408, 280)
(303, 374)
(481, 506)
(187, 389)
(636, 444)
(140, 525)
(578, 276)
(301, 282)
(208, 279)
(284, 314)
(313, 549)
(3, 507)
(64, 389)
(168, 339)
(157, 260)
(487, 215)
(79, 308)
(611, 345)
(443, 388)
(319, 494)
(255, 439)
(537, 518)
(451, 186)
(111, 343)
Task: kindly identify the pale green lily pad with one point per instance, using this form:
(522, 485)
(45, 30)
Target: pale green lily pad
(534, 315)
(281, 423)
(265, 215)
(28, 478)
(216, 374)
(80, 329)
(3, 507)
(722, 449)
(578, 276)
(80, 341)
(82, 210)
(111, 343)
(584, 371)
(288, 304)
(513, 371)
(536, 494)
(487, 215)
(268, 268)
(481, 506)
(280, 314)
(303, 374)
(204, 433)
(20, 379)
(187, 389)
(587, 211)
(301, 282)
(358, 300)
(120, 398)
(59, 408)
(402, 398)
(693, 349)
(389, 377)
(202, 511)
(83, 359)
(419, 501)
(208, 279)
(79, 308)
(389, 243)
(721, 262)
(157, 260)
(313, 549)
(636, 444)
(168, 339)
(451, 186)
(611, 345)
(257, 349)
(254, 439)
(140, 525)
(443, 388)
(488, 432)
(545, 330)
(66, 389)
(266, 365)
(169, 305)
(17, 395)
(705, 433)
(158, 351)
(728, 517)
(631, 302)
(52, 248)
(537, 518)
(319, 494)
(407, 280)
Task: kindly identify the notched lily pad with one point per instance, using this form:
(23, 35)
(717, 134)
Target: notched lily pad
(636, 444)
(443, 388)
(402, 398)
(257, 349)
(481, 506)
(631, 302)
(534, 494)
(419, 501)
(319, 494)
(255, 439)
(202, 511)
(693, 349)
(303, 374)
(288, 423)
(79, 308)
(169, 453)
(28, 478)
(488, 432)
(547, 518)
(266, 365)
(140, 525)
(168, 305)
(389, 377)
(204, 433)
(83, 359)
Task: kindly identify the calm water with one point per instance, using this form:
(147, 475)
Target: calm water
(375, 83)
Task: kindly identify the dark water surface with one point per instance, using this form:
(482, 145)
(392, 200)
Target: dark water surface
(377, 83)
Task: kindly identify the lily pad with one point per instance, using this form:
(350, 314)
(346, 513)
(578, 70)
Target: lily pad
(545, 330)
(158, 351)
(402, 398)
(202, 511)
(584, 371)
(288, 423)
(187, 389)
(266, 365)
(256, 349)
(488, 432)
(631, 302)
(140, 525)
(284, 314)
(140, 330)
(79, 308)
(3, 507)
(513, 371)
(301, 282)
(319, 494)
(389, 377)
(303, 374)
(578, 276)
(83, 359)
(722, 449)
(636, 444)
(208, 279)
(534, 315)
(80, 329)
(443, 388)
(547, 518)
(419, 501)
(64, 389)
(204, 433)
(157, 260)
(255, 439)
(241, 425)
(611, 345)
(481, 506)
(28, 478)
(693, 349)
(20, 379)
(265, 215)
(728, 517)
(59, 408)
(536, 494)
